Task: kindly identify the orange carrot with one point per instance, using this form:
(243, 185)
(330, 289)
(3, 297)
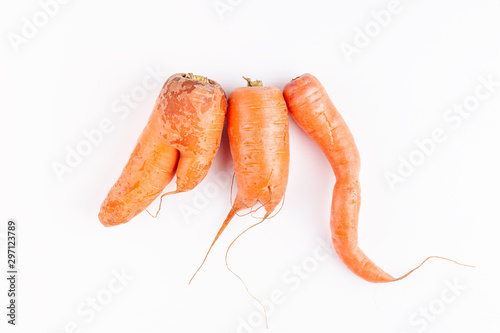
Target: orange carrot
(257, 125)
(181, 137)
(314, 112)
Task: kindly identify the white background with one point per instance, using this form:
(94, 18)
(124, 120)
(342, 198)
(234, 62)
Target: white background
(73, 71)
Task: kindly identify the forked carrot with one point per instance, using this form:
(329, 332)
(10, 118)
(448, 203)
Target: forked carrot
(181, 137)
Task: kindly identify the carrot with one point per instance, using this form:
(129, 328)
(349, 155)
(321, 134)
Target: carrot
(257, 126)
(315, 113)
(181, 137)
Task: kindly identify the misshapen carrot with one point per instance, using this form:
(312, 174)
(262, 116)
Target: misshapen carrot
(257, 125)
(181, 137)
(314, 112)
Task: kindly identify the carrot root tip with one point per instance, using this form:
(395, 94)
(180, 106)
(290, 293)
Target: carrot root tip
(228, 219)
(239, 277)
(431, 257)
(161, 200)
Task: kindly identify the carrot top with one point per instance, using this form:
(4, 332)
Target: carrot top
(200, 78)
(250, 83)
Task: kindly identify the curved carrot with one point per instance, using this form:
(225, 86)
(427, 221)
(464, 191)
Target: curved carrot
(181, 137)
(314, 112)
(257, 126)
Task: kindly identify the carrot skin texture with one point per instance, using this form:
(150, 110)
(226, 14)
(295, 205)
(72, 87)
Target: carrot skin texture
(150, 168)
(189, 115)
(181, 137)
(257, 125)
(314, 112)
